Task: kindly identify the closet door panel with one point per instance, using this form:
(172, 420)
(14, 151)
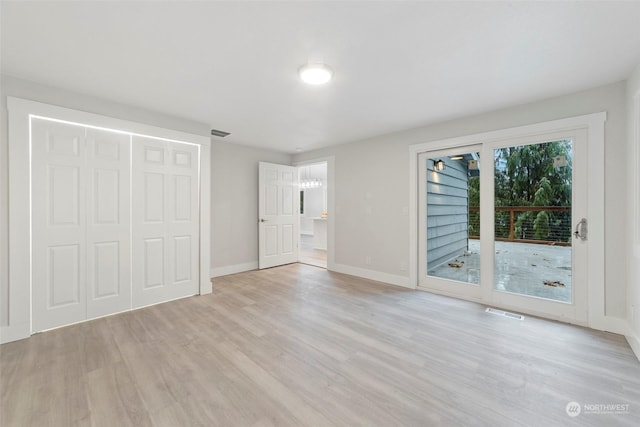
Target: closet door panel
(108, 223)
(183, 219)
(58, 224)
(165, 217)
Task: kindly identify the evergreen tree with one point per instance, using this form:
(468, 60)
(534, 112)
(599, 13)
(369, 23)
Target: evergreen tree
(525, 176)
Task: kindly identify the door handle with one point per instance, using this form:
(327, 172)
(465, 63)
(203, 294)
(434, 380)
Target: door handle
(263, 220)
(581, 230)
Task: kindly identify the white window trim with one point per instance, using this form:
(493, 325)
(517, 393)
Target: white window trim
(594, 124)
(19, 163)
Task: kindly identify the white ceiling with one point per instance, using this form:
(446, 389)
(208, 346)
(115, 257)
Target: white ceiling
(398, 65)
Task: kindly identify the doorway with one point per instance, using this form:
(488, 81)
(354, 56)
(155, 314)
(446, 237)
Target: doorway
(313, 192)
(528, 256)
(505, 218)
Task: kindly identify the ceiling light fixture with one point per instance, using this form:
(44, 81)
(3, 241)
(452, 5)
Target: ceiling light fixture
(315, 73)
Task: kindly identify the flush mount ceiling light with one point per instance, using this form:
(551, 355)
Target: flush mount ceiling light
(315, 73)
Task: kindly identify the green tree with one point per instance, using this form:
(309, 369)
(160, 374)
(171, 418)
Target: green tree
(525, 176)
(474, 200)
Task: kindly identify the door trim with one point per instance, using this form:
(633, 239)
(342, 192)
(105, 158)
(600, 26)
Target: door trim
(18, 318)
(594, 125)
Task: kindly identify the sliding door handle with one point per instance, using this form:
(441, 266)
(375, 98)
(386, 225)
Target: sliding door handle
(581, 230)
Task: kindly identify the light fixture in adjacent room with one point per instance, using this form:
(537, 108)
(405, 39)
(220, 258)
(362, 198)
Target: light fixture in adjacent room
(315, 73)
(310, 183)
(438, 165)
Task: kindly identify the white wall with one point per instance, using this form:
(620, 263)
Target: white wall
(372, 178)
(234, 205)
(633, 223)
(10, 86)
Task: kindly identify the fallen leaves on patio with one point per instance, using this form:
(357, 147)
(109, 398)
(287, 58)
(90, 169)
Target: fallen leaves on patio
(456, 264)
(553, 283)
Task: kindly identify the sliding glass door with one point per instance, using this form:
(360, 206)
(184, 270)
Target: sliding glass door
(526, 197)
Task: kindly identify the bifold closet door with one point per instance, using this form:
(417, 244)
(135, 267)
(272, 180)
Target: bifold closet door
(59, 233)
(108, 223)
(165, 220)
(80, 205)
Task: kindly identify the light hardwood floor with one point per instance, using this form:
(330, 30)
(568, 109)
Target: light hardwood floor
(301, 346)
(310, 255)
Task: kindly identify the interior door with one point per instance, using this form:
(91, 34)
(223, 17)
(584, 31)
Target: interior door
(165, 220)
(278, 220)
(59, 231)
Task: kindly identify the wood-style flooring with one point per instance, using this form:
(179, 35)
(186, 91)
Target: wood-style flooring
(309, 254)
(300, 346)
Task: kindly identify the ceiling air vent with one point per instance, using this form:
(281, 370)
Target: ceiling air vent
(220, 133)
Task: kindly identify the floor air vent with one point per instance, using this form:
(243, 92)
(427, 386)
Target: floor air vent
(504, 313)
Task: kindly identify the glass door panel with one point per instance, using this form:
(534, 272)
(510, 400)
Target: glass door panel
(452, 202)
(532, 219)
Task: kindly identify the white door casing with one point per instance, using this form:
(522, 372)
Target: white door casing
(278, 219)
(165, 220)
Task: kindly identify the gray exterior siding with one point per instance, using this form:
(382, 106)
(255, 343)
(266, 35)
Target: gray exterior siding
(447, 212)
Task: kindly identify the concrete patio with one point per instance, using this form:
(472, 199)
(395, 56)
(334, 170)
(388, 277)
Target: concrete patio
(519, 267)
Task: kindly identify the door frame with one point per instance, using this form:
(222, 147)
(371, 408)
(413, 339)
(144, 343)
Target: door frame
(594, 126)
(18, 318)
(331, 217)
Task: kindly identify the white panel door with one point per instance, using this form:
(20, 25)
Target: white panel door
(165, 220)
(59, 229)
(108, 223)
(278, 207)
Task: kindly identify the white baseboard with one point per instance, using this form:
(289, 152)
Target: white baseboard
(15, 332)
(233, 269)
(613, 324)
(634, 343)
(378, 276)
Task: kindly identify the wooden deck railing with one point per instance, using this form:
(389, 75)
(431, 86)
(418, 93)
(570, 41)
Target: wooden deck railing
(513, 210)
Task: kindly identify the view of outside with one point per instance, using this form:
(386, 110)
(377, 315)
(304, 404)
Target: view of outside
(532, 219)
(533, 207)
